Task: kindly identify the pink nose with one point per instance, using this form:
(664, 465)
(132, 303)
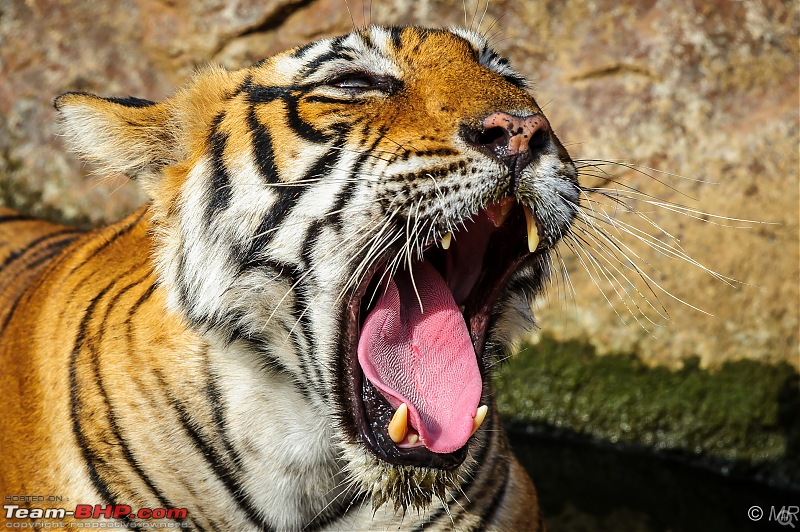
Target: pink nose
(517, 132)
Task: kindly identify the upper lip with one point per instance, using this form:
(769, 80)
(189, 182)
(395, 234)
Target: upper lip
(505, 249)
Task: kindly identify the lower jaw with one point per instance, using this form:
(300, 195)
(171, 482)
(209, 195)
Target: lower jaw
(403, 487)
(372, 423)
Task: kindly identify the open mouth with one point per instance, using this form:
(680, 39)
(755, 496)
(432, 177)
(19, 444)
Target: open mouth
(417, 337)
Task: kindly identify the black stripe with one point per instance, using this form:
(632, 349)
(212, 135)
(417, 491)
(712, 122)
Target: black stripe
(19, 253)
(301, 51)
(261, 345)
(320, 60)
(262, 94)
(220, 181)
(290, 97)
(309, 250)
(367, 40)
(15, 218)
(336, 214)
(336, 52)
(185, 295)
(110, 240)
(494, 506)
(303, 129)
(516, 80)
(135, 308)
(98, 483)
(216, 401)
(336, 101)
(186, 422)
(131, 353)
(242, 88)
(89, 456)
(11, 311)
(302, 312)
(131, 101)
(287, 199)
(262, 148)
(396, 33)
(123, 445)
(55, 250)
(214, 460)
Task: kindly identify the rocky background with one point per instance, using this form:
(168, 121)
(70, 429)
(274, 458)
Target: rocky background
(689, 108)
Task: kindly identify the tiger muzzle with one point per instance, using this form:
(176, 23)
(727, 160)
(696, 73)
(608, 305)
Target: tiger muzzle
(513, 140)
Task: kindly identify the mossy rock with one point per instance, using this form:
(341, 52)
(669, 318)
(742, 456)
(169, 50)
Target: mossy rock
(743, 416)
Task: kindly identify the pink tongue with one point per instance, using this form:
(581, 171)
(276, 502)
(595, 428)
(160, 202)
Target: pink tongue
(424, 359)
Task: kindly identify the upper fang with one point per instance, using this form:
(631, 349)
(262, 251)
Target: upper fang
(446, 240)
(533, 231)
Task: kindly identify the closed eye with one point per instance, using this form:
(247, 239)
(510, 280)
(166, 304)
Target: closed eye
(361, 81)
(354, 83)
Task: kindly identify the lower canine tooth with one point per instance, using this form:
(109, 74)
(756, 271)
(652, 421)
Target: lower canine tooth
(480, 415)
(398, 426)
(446, 240)
(533, 231)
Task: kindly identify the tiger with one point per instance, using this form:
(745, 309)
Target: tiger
(298, 330)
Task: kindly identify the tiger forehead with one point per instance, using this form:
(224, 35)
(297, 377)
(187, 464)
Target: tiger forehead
(400, 52)
(415, 46)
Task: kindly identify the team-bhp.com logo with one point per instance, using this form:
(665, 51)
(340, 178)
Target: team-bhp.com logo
(14, 512)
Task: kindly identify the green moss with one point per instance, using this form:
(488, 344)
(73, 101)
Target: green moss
(745, 413)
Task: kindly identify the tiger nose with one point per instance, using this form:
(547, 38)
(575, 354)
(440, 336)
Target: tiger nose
(507, 137)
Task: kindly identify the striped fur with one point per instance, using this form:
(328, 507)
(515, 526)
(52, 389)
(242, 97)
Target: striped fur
(196, 354)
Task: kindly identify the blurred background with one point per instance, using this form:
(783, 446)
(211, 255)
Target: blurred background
(656, 394)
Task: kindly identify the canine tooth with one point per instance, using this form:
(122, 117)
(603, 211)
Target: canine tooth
(533, 231)
(480, 415)
(446, 240)
(398, 426)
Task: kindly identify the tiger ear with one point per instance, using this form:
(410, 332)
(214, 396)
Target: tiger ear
(127, 135)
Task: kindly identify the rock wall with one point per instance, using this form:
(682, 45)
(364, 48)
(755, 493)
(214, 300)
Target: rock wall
(696, 102)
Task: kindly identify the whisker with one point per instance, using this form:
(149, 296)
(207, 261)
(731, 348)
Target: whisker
(483, 15)
(607, 270)
(495, 21)
(665, 249)
(610, 255)
(636, 167)
(576, 249)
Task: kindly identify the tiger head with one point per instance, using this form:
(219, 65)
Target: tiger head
(370, 216)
